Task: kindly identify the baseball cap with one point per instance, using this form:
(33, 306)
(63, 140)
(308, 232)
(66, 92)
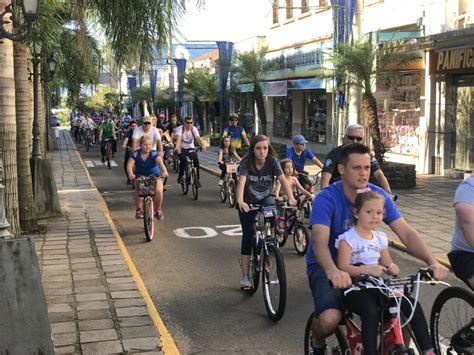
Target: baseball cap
(234, 116)
(299, 139)
(146, 119)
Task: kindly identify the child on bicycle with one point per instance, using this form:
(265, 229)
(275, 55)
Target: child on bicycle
(256, 182)
(147, 162)
(362, 249)
(226, 154)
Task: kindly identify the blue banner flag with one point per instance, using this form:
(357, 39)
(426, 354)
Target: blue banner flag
(181, 66)
(153, 78)
(225, 58)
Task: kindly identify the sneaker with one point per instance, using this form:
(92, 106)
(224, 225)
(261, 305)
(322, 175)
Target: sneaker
(199, 184)
(180, 180)
(245, 282)
(159, 215)
(221, 182)
(102, 160)
(317, 351)
(139, 213)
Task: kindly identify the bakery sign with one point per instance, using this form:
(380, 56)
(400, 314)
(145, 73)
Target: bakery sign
(453, 61)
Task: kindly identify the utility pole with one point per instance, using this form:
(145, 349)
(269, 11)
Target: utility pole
(170, 61)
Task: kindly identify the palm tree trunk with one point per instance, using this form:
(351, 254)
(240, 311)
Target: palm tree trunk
(369, 105)
(24, 117)
(8, 131)
(258, 96)
(41, 120)
(212, 115)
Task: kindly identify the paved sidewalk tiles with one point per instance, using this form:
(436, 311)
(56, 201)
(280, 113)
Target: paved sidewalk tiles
(93, 302)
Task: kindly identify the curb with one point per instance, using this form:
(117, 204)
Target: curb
(167, 341)
(392, 242)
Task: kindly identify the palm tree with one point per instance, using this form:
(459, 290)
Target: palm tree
(250, 67)
(361, 64)
(8, 131)
(204, 87)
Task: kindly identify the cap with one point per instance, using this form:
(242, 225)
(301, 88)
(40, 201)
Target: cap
(299, 139)
(234, 116)
(162, 115)
(146, 119)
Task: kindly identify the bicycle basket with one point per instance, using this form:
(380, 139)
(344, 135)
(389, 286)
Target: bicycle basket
(269, 211)
(231, 168)
(144, 189)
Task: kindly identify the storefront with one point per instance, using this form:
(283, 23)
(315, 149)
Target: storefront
(453, 70)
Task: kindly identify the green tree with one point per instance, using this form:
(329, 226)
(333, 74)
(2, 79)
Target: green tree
(204, 87)
(251, 67)
(361, 64)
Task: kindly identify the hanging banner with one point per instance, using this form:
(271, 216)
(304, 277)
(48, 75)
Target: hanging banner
(132, 83)
(181, 68)
(225, 58)
(153, 78)
(343, 16)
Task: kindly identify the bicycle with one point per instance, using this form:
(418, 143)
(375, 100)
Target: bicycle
(175, 161)
(146, 189)
(310, 183)
(229, 186)
(190, 176)
(108, 151)
(291, 224)
(452, 321)
(88, 138)
(347, 338)
(266, 258)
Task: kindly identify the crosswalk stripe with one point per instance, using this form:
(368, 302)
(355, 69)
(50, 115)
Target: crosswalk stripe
(89, 164)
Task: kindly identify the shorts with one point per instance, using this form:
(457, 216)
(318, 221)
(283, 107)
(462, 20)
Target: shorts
(462, 263)
(324, 296)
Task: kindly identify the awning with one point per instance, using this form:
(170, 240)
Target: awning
(306, 84)
(245, 88)
(275, 88)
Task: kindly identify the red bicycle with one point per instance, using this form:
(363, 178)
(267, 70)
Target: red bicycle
(347, 338)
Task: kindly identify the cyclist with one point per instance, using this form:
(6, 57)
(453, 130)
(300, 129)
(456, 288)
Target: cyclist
(147, 128)
(354, 134)
(288, 169)
(298, 155)
(226, 154)
(237, 133)
(89, 123)
(462, 243)
(333, 217)
(362, 249)
(107, 130)
(147, 162)
(256, 182)
(171, 128)
(184, 143)
(128, 146)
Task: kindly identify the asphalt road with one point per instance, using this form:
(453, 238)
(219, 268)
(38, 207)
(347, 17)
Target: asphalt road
(192, 273)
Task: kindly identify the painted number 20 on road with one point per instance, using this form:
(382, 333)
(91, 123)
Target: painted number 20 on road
(233, 230)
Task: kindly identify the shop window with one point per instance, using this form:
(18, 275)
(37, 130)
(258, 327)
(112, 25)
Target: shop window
(289, 9)
(398, 106)
(275, 11)
(282, 116)
(315, 119)
(304, 6)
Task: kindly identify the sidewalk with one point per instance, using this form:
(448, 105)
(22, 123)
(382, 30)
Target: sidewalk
(96, 300)
(428, 207)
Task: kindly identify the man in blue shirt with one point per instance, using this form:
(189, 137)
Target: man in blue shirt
(299, 153)
(237, 133)
(332, 217)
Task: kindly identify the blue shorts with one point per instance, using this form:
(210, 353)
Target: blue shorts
(324, 296)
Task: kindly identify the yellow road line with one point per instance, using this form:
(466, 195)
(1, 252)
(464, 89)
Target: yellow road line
(167, 342)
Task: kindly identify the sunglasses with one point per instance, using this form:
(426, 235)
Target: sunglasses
(189, 122)
(146, 122)
(352, 138)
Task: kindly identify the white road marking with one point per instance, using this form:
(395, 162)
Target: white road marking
(234, 230)
(98, 163)
(208, 232)
(95, 163)
(113, 163)
(89, 164)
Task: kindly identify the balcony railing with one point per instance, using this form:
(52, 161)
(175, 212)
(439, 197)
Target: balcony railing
(300, 59)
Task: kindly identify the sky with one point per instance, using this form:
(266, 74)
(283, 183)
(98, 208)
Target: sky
(231, 20)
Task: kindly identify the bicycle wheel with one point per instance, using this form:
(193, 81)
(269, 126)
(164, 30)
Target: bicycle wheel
(335, 344)
(175, 163)
(108, 153)
(88, 143)
(254, 274)
(194, 183)
(185, 182)
(301, 239)
(223, 191)
(232, 189)
(452, 321)
(274, 283)
(148, 218)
